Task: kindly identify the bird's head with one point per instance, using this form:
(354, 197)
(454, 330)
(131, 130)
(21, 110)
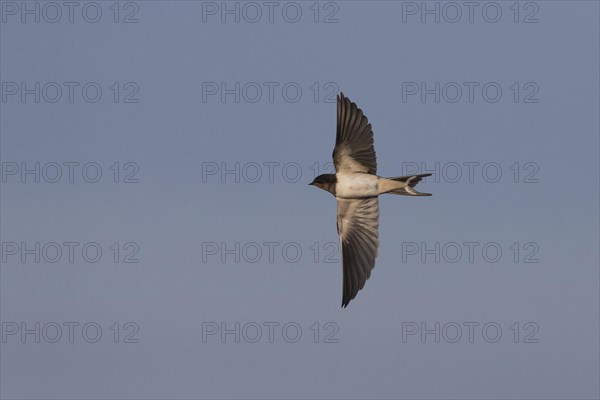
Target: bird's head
(326, 182)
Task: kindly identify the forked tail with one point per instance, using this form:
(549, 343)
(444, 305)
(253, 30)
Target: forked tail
(410, 182)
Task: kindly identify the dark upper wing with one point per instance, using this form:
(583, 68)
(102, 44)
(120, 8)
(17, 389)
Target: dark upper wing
(358, 223)
(354, 151)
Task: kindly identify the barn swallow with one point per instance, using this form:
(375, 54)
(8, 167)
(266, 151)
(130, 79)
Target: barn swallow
(356, 187)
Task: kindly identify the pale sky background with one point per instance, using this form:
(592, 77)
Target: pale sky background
(372, 52)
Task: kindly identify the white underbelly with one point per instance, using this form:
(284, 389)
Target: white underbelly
(354, 186)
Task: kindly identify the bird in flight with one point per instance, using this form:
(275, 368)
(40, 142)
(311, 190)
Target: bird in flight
(356, 188)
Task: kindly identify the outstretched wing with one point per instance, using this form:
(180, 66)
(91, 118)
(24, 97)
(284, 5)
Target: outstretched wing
(358, 223)
(354, 151)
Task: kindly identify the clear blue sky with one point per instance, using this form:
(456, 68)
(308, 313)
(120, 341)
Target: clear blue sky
(219, 179)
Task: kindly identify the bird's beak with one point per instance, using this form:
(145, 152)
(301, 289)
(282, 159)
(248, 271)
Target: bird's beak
(310, 184)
